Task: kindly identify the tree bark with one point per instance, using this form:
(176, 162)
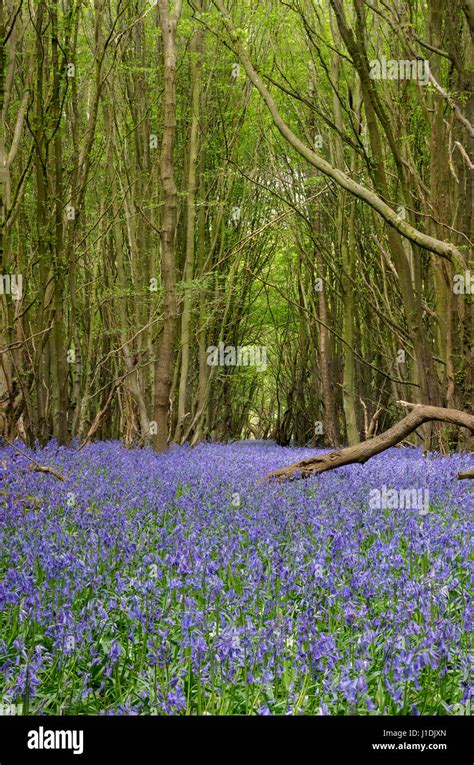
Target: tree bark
(195, 50)
(168, 24)
(347, 249)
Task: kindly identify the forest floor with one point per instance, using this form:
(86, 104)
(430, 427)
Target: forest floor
(177, 583)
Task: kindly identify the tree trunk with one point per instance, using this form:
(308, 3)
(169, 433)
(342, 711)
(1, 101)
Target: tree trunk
(195, 49)
(164, 373)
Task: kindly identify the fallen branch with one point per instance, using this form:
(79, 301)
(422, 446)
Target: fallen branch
(466, 474)
(364, 451)
(37, 467)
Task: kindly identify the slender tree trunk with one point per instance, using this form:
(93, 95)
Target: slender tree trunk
(168, 25)
(195, 49)
(348, 252)
(58, 338)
